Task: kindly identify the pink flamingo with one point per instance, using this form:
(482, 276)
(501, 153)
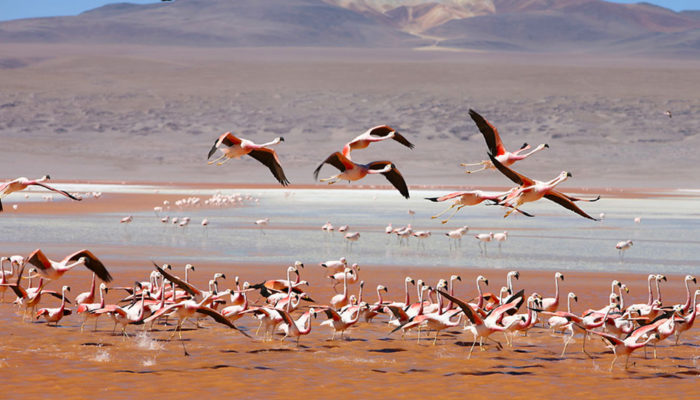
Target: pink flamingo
(685, 323)
(495, 145)
(341, 323)
(624, 347)
(55, 269)
(466, 198)
(233, 147)
(87, 309)
(551, 304)
(89, 296)
(298, 328)
(352, 171)
(55, 314)
(532, 190)
(22, 183)
(373, 135)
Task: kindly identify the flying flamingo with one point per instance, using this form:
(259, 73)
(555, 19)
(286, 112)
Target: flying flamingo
(372, 135)
(495, 145)
(532, 190)
(352, 171)
(55, 314)
(467, 198)
(55, 269)
(298, 328)
(22, 183)
(233, 147)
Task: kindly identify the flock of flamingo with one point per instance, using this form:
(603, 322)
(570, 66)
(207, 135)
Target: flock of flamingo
(165, 295)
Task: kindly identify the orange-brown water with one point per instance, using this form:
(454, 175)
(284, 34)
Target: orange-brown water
(39, 360)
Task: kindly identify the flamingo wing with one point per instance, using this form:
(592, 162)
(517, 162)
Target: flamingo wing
(447, 196)
(610, 338)
(385, 130)
(398, 312)
(38, 259)
(473, 317)
(512, 175)
(179, 282)
(269, 158)
(393, 176)
(54, 294)
(92, 263)
(63, 192)
(566, 203)
(493, 139)
(332, 314)
(220, 319)
(571, 198)
(337, 160)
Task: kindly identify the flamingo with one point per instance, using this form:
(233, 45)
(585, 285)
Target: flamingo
(341, 300)
(351, 277)
(335, 266)
(87, 309)
(234, 147)
(375, 308)
(482, 329)
(456, 235)
(495, 145)
(687, 280)
(352, 171)
(22, 183)
(558, 320)
(54, 270)
(483, 238)
(500, 238)
(87, 297)
(551, 304)
(327, 227)
(687, 322)
(187, 309)
(372, 135)
(55, 314)
(125, 315)
(298, 328)
(262, 223)
(341, 323)
(623, 246)
(523, 321)
(624, 347)
(466, 198)
(352, 237)
(532, 190)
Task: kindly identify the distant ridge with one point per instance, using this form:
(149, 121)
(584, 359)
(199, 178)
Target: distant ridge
(498, 25)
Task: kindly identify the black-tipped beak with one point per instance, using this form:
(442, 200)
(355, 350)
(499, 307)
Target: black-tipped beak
(212, 150)
(281, 139)
(48, 176)
(413, 282)
(568, 174)
(576, 299)
(546, 145)
(223, 276)
(459, 279)
(486, 281)
(695, 280)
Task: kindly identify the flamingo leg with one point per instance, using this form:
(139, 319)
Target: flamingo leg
(333, 179)
(213, 161)
(225, 161)
(472, 348)
(453, 214)
(443, 212)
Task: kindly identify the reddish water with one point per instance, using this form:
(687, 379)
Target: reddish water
(38, 360)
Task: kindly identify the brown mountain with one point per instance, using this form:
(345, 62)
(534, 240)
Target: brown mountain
(522, 25)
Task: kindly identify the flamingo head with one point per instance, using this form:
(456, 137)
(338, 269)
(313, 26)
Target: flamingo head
(410, 280)
(298, 264)
(559, 275)
(382, 287)
(457, 277)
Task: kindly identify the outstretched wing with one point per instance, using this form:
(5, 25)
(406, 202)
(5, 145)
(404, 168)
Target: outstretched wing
(493, 140)
(179, 282)
(571, 198)
(473, 317)
(512, 175)
(385, 130)
(63, 192)
(92, 263)
(393, 176)
(220, 319)
(38, 259)
(269, 158)
(337, 160)
(566, 203)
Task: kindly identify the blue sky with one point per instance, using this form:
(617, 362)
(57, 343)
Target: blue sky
(14, 9)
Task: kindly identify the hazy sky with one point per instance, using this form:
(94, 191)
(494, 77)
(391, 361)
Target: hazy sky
(14, 9)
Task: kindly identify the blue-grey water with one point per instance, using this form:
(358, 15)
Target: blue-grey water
(667, 240)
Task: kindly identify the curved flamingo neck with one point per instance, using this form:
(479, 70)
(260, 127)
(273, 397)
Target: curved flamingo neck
(658, 290)
(102, 298)
(686, 306)
(480, 303)
(556, 290)
(651, 294)
(408, 297)
(306, 328)
(379, 296)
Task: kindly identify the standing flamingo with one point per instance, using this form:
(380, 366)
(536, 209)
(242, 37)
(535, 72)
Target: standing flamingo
(22, 183)
(87, 309)
(551, 304)
(622, 247)
(624, 347)
(352, 171)
(55, 314)
(495, 145)
(234, 147)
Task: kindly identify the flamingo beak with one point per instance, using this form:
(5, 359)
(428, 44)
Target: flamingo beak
(212, 150)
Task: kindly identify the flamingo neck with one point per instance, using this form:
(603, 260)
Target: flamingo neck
(408, 297)
(480, 303)
(102, 298)
(306, 326)
(556, 290)
(379, 296)
(658, 291)
(651, 294)
(687, 296)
